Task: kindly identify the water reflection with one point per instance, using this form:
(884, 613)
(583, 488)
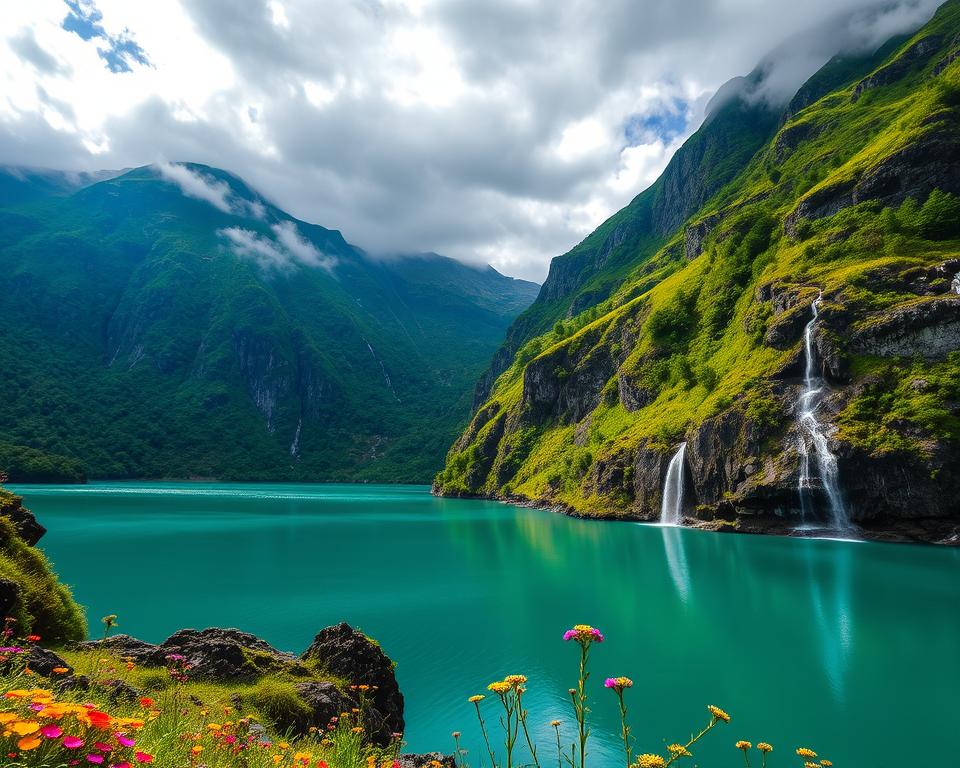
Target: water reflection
(676, 555)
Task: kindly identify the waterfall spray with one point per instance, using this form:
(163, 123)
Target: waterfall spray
(955, 285)
(813, 442)
(671, 507)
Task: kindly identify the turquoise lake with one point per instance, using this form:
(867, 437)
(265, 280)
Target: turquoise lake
(852, 649)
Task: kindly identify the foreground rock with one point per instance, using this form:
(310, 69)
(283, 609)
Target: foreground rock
(339, 652)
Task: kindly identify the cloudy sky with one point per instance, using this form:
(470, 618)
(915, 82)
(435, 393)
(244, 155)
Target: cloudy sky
(497, 131)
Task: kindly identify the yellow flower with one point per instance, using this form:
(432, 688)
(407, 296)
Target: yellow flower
(60, 670)
(810, 765)
(214, 726)
(283, 745)
(476, 699)
(25, 727)
(196, 749)
(826, 764)
(515, 680)
(679, 750)
(764, 747)
(744, 745)
(357, 729)
(651, 761)
(718, 713)
(804, 752)
(555, 723)
(500, 687)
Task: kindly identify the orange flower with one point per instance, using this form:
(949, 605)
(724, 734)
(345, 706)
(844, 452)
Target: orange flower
(28, 742)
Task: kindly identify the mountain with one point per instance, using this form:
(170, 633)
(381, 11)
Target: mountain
(172, 322)
(686, 323)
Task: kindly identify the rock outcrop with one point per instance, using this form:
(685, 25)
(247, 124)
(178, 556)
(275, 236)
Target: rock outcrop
(344, 652)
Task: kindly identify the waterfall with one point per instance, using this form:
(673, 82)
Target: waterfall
(671, 508)
(813, 438)
(955, 285)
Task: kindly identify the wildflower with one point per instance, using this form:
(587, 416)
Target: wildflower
(584, 633)
(357, 729)
(555, 723)
(72, 742)
(146, 702)
(196, 749)
(51, 731)
(515, 680)
(764, 747)
(143, 757)
(678, 750)
(650, 761)
(109, 621)
(718, 713)
(810, 765)
(24, 727)
(476, 699)
(96, 759)
(826, 764)
(618, 683)
(124, 741)
(804, 752)
(456, 734)
(60, 670)
(744, 745)
(102, 747)
(28, 742)
(33, 638)
(500, 687)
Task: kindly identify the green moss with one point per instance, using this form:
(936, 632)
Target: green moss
(45, 605)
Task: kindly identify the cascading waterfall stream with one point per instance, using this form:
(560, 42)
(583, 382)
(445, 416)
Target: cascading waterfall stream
(671, 507)
(813, 442)
(955, 285)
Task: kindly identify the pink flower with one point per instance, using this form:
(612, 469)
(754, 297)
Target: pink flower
(584, 634)
(95, 759)
(37, 707)
(618, 683)
(125, 741)
(72, 742)
(143, 757)
(102, 747)
(124, 764)
(51, 731)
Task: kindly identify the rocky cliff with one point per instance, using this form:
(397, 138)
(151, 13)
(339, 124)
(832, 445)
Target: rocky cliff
(850, 201)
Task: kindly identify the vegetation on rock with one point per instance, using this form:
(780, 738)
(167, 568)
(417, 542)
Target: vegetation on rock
(853, 195)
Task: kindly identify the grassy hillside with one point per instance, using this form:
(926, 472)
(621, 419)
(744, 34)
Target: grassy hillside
(853, 196)
(154, 334)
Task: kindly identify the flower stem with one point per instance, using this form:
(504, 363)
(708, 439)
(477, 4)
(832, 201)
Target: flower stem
(522, 716)
(624, 728)
(486, 739)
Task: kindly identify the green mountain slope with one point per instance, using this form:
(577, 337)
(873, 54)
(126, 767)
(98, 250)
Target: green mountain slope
(177, 324)
(852, 195)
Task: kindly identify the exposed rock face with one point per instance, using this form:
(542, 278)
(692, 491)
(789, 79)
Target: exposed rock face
(26, 524)
(930, 162)
(928, 328)
(43, 662)
(916, 54)
(324, 700)
(346, 653)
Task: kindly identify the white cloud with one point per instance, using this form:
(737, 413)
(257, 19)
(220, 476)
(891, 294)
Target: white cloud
(489, 130)
(217, 193)
(299, 248)
(290, 249)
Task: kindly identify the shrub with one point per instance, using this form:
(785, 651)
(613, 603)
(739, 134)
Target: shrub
(279, 702)
(939, 218)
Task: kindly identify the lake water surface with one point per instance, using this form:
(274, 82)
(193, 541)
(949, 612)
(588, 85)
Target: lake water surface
(852, 649)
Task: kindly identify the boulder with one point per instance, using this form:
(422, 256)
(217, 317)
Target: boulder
(123, 646)
(343, 652)
(427, 760)
(224, 655)
(43, 662)
(325, 702)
